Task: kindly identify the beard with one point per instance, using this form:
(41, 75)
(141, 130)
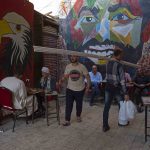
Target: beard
(73, 61)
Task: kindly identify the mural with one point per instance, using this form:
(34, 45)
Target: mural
(98, 26)
(15, 37)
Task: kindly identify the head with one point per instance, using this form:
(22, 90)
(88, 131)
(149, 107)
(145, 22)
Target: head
(74, 58)
(101, 25)
(45, 72)
(118, 54)
(16, 41)
(18, 74)
(94, 69)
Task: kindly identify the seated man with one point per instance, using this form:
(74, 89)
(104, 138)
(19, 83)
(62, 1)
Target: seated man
(141, 84)
(96, 79)
(17, 86)
(127, 77)
(47, 83)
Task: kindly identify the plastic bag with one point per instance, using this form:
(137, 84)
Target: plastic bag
(130, 110)
(123, 118)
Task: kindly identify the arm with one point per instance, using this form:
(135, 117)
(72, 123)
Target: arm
(88, 81)
(122, 82)
(65, 77)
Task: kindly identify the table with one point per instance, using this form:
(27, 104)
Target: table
(146, 102)
(34, 91)
(55, 95)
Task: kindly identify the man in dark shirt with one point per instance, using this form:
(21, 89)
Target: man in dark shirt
(141, 87)
(115, 85)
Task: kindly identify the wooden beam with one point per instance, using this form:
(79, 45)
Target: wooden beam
(81, 54)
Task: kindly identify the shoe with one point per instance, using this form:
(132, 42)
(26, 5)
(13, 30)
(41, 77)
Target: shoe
(105, 129)
(121, 125)
(67, 123)
(140, 109)
(79, 119)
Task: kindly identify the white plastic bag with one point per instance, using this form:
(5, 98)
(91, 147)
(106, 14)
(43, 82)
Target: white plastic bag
(130, 110)
(123, 118)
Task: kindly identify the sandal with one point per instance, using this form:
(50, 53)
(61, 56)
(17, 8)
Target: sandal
(66, 123)
(79, 119)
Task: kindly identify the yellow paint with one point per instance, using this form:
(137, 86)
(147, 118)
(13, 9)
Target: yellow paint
(102, 61)
(4, 28)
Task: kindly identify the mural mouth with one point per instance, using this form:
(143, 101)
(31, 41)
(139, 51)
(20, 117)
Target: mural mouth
(100, 50)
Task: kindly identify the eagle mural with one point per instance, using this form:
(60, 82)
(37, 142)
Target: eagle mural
(15, 43)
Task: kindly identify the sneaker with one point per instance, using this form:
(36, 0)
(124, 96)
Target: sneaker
(105, 129)
(140, 109)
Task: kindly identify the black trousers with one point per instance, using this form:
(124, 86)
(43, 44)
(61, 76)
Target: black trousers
(40, 100)
(70, 97)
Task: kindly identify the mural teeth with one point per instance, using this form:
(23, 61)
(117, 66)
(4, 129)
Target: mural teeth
(99, 53)
(103, 54)
(93, 52)
(85, 51)
(89, 52)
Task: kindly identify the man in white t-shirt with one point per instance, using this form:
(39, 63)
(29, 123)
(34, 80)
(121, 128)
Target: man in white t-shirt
(75, 73)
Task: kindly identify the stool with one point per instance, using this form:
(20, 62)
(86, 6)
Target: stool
(146, 102)
(48, 115)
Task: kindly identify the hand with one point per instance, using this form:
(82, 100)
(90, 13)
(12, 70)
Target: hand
(126, 97)
(87, 90)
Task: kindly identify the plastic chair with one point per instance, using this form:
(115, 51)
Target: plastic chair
(6, 102)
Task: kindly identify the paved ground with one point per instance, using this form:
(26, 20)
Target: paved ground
(86, 135)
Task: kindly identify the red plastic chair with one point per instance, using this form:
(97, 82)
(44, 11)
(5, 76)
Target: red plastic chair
(6, 102)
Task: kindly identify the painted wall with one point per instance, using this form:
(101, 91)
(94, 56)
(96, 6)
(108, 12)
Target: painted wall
(98, 26)
(16, 20)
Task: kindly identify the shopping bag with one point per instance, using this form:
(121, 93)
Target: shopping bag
(130, 110)
(123, 118)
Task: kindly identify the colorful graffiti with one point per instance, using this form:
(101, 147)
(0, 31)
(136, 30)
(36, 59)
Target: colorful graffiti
(15, 37)
(98, 26)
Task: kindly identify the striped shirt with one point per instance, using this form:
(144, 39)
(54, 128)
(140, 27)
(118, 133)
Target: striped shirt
(115, 75)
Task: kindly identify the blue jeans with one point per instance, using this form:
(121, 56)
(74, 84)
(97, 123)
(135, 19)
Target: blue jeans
(95, 92)
(110, 92)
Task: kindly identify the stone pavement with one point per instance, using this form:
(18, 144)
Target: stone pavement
(86, 135)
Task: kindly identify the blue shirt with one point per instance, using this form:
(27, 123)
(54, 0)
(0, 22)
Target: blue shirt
(95, 78)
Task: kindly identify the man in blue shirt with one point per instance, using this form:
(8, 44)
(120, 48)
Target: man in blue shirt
(96, 79)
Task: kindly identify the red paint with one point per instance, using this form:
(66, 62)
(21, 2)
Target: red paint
(25, 9)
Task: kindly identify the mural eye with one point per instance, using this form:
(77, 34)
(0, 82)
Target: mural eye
(120, 17)
(88, 20)
(18, 27)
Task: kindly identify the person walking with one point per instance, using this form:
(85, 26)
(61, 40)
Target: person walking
(75, 73)
(115, 85)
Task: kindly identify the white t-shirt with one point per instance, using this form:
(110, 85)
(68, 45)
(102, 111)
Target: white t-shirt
(76, 76)
(17, 86)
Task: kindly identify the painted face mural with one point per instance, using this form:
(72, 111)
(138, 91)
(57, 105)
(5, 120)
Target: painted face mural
(98, 26)
(15, 38)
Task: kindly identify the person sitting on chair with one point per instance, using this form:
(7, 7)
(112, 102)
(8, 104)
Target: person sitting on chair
(48, 84)
(18, 88)
(96, 79)
(141, 84)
